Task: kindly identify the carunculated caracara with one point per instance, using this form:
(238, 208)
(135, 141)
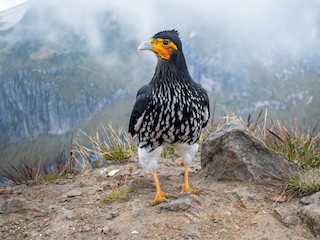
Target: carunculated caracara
(171, 109)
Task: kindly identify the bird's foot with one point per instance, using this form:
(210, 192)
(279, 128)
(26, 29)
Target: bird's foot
(161, 197)
(187, 189)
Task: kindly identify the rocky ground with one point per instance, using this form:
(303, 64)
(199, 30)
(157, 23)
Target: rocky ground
(70, 208)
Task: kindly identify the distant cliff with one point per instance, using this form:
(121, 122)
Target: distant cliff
(29, 108)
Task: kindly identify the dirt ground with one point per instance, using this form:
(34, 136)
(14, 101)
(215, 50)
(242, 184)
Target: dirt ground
(70, 208)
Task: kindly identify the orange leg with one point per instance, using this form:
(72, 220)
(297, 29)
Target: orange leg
(185, 187)
(160, 196)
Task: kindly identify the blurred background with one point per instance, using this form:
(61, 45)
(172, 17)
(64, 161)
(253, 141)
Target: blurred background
(67, 65)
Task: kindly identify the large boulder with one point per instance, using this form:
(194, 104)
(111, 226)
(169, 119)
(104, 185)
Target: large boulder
(234, 153)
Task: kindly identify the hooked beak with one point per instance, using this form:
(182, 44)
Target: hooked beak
(145, 46)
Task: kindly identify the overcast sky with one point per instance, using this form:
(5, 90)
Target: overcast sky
(291, 26)
(6, 4)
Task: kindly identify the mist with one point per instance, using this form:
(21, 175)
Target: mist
(257, 28)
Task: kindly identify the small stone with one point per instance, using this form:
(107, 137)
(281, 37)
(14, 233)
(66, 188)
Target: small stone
(43, 223)
(73, 193)
(24, 235)
(193, 234)
(106, 229)
(178, 162)
(35, 235)
(113, 172)
(85, 229)
(113, 185)
(134, 232)
(21, 206)
(140, 184)
(133, 159)
(110, 216)
(177, 205)
(104, 170)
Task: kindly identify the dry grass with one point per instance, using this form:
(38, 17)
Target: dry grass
(43, 171)
(294, 145)
(305, 183)
(110, 145)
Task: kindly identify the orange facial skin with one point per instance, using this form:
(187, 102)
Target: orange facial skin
(162, 47)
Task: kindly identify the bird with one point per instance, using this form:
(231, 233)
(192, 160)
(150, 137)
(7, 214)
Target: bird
(171, 109)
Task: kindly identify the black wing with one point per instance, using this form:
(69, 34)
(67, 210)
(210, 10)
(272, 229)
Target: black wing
(142, 101)
(203, 102)
(206, 104)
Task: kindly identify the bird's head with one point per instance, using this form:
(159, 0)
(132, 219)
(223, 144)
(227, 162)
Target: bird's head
(163, 44)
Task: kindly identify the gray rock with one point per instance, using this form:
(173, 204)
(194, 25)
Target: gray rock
(310, 213)
(140, 183)
(312, 199)
(106, 229)
(177, 205)
(73, 193)
(133, 159)
(287, 216)
(233, 153)
(110, 215)
(21, 206)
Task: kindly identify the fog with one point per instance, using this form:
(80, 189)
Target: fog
(11, 12)
(258, 28)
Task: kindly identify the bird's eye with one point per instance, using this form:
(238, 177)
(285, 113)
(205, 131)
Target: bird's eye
(165, 42)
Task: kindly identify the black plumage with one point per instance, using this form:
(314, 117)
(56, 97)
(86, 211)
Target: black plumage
(174, 108)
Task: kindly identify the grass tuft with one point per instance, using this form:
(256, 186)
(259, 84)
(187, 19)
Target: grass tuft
(51, 176)
(300, 147)
(294, 145)
(304, 184)
(43, 171)
(111, 145)
(117, 194)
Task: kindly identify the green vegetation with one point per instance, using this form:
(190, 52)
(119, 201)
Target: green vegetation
(301, 148)
(294, 145)
(118, 194)
(51, 176)
(116, 145)
(111, 145)
(305, 183)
